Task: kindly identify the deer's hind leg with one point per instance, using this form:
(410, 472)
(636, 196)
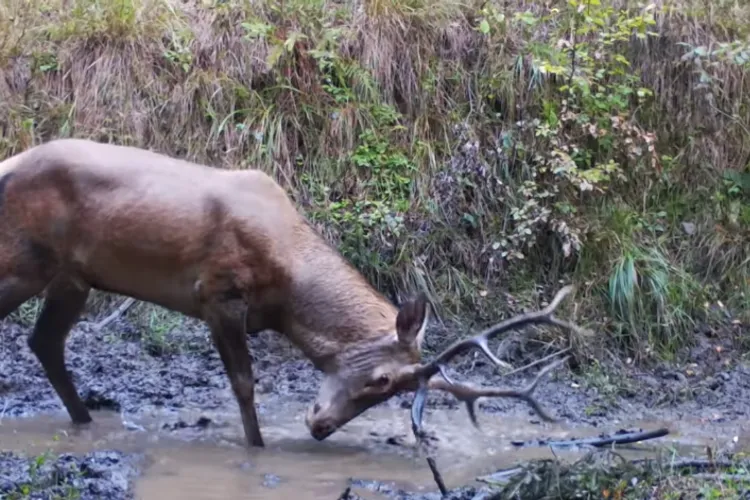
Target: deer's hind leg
(62, 307)
(24, 274)
(15, 291)
(23, 268)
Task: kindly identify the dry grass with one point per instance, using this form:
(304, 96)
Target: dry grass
(209, 81)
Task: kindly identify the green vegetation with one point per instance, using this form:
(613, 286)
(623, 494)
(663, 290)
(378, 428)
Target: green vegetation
(470, 149)
(607, 474)
(46, 477)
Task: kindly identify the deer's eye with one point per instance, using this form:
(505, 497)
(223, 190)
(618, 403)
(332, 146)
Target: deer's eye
(379, 382)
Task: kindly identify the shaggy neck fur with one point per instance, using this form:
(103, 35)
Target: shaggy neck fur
(334, 308)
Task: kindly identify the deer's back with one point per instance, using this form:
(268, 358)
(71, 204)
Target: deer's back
(126, 216)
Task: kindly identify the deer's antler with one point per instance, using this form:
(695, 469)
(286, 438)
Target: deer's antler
(469, 393)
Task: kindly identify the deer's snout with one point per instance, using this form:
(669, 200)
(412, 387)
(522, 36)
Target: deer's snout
(322, 431)
(320, 424)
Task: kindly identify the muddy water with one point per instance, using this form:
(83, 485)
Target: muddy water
(162, 398)
(211, 462)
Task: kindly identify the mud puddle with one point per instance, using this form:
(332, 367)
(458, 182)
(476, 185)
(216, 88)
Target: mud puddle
(212, 463)
(168, 425)
(209, 460)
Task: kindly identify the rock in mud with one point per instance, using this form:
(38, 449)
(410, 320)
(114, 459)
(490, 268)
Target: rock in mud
(271, 480)
(100, 475)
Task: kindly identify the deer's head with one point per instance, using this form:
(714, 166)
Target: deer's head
(369, 373)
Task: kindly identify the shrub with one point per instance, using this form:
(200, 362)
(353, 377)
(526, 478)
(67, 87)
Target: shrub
(467, 149)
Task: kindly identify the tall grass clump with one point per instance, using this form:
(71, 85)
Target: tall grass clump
(478, 150)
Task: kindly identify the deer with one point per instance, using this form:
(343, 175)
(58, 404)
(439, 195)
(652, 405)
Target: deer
(230, 248)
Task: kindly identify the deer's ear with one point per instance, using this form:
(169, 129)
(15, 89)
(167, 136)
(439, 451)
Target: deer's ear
(411, 321)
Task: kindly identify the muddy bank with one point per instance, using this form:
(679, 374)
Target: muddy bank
(113, 370)
(93, 476)
(185, 386)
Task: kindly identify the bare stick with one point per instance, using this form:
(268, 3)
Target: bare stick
(721, 477)
(598, 442)
(345, 494)
(437, 476)
(116, 314)
(424, 447)
(696, 464)
(537, 362)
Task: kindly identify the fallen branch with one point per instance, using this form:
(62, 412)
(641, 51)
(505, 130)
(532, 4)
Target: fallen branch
(116, 314)
(437, 476)
(346, 495)
(501, 476)
(721, 477)
(424, 447)
(537, 362)
(598, 442)
(696, 464)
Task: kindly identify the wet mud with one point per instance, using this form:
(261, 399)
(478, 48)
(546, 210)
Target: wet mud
(94, 475)
(166, 424)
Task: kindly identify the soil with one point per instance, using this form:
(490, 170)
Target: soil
(115, 370)
(96, 475)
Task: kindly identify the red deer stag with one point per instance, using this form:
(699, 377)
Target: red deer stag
(227, 247)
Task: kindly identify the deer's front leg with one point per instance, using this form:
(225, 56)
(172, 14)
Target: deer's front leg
(227, 323)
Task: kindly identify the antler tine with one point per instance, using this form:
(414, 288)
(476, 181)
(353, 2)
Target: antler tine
(470, 394)
(544, 316)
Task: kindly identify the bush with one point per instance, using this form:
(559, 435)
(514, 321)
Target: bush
(467, 149)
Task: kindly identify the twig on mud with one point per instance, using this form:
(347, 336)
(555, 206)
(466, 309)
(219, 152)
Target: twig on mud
(346, 494)
(624, 438)
(721, 477)
(537, 362)
(423, 446)
(116, 314)
(501, 476)
(437, 476)
(696, 464)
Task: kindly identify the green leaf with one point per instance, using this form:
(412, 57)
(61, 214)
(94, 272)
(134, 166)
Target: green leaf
(274, 55)
(700, 51)
(620, 58)
(257, 30)
(292, 40)
(484, 27)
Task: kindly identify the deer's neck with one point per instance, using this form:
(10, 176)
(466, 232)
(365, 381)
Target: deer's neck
(333, 308)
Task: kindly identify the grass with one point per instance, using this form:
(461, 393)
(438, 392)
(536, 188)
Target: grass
(607, 474)
(160, 331)
(48, 479)
(469, 149)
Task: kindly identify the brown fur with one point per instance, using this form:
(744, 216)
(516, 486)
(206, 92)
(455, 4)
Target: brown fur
(228, 247)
